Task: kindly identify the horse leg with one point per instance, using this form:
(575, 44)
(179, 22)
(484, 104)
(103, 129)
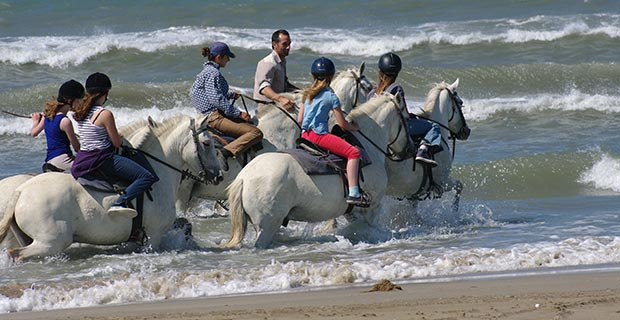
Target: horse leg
(267, 230)
(458, 187)
(57, 238)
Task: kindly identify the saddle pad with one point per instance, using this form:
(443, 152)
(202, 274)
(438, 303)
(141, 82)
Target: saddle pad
(317, 165)
(97, 184)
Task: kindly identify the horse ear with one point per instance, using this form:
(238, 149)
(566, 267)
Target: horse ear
(454, 86)
(362, 67)
(151, 122)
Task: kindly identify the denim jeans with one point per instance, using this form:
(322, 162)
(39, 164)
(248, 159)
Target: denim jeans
(430, 130)
(125, 169)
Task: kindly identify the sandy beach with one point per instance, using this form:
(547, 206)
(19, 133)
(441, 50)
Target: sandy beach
(573, 296)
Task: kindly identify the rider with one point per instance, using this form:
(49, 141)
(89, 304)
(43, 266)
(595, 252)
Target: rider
(58, 128)
(270, 77)
(210, 95)
(99, 138)
(389, 67)
(313, 116)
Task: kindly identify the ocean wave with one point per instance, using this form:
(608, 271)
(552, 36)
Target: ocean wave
(70, 50)
(133, 279)
(604, 174)
(575, 100)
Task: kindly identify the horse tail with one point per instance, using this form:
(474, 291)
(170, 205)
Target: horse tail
(9, 215)
(238, 218)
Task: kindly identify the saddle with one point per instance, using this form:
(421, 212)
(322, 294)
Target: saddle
(221, 140)
(318, 161)
(99, 181)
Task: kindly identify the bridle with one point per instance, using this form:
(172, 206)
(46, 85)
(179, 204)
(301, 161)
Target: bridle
(360, 81)
(402, 127)
(195, 133)
(201, 177)
(457, 108)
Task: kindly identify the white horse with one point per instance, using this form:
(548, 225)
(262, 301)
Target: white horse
(443, 106)
(274, 186)
(54, 210)
(280, 131)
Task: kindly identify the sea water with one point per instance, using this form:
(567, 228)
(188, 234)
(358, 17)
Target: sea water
(541, 170)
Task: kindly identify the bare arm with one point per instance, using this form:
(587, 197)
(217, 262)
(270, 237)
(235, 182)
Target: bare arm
(67, 127)
(106, 120)
(287, 103)
(342, 122)
(37, 124)
(300, 115)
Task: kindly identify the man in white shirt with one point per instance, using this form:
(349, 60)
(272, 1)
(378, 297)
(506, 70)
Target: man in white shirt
(270, 79)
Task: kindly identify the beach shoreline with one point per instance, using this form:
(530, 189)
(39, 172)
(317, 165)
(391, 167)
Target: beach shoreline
(594, 295)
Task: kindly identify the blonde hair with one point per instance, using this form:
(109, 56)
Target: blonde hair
(385, 80)
(316, 87)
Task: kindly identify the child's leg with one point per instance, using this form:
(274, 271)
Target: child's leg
(342, 148)
(352, 176)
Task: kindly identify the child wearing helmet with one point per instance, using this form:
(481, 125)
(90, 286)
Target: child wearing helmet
(317, 101)
(389, 67)
(58, 128)
(99, 138)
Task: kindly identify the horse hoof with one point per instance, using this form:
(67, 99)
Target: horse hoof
(185, 225)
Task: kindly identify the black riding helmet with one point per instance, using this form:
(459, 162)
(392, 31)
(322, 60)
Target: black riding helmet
(390, 64)
(98, 83)
(70, 90)
(322, 68)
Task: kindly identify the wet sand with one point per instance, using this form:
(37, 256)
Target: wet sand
(573, 296)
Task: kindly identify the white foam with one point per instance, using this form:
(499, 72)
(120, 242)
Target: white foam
(146, 277)
(575, 100)
(63, 51)
(604, 174)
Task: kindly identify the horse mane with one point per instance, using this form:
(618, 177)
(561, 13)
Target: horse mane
(132, 127)
(429, 105)
(372, 104)
(162, 128)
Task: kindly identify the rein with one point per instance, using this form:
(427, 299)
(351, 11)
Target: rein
(390, 155)
(286, 113)
(184, 173)
(16, 114)
(457, 103)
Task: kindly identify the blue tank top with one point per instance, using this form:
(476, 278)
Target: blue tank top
(57, 140)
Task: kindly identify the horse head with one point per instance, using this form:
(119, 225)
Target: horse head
(204, 152)
(444, 106)
(351, 87)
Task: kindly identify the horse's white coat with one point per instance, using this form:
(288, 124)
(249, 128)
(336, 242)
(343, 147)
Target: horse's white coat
(55, 210)
(274, 186)
(279, 132)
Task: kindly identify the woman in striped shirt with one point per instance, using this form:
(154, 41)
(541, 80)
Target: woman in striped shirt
(99, 138)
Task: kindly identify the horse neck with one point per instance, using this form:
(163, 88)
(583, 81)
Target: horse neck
(346, 88)
(166, 144)
(375, 122)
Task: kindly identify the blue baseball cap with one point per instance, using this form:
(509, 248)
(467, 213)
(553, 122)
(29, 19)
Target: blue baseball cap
(220, 48)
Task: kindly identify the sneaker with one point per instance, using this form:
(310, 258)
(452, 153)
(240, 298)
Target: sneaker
(121, 209)
(355, 200)
(424, 156)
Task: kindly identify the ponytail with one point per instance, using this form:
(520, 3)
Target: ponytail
(385, 81)
(206, 52)
(318, 85)
(52, 107)
(81, 111)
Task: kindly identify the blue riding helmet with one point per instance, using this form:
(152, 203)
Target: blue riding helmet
(390, 64)
(322, 68)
